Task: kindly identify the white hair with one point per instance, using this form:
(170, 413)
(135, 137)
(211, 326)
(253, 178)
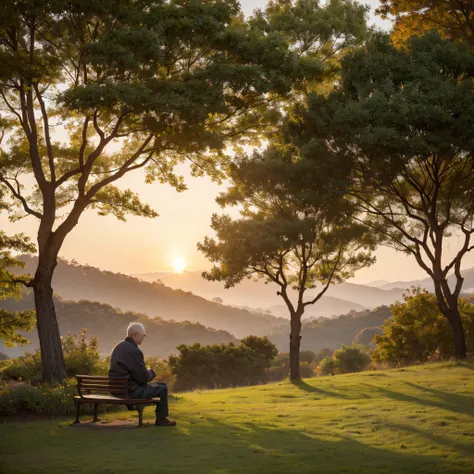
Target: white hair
(135, 327)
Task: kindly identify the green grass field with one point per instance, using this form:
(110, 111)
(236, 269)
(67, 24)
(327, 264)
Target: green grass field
(414, 420)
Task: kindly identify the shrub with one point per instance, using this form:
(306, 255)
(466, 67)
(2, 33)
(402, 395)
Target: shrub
(351, 359)
(44, 399)
(327, 366)
(418, 332)
(80, 356)
(215, 366)
(3, 356)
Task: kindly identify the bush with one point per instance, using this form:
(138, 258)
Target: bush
(80, 357)
(44, 399)
(418, 332)
(351, 359)
(3, 356)
(216, 366)
(327, 366)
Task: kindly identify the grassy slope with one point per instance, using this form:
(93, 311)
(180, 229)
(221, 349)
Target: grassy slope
(415, 420)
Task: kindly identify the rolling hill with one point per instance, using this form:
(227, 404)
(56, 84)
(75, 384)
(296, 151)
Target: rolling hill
(109, 325)
(82, 282)
(338, 299)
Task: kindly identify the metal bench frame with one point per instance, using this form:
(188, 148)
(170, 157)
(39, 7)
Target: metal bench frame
(95, 390)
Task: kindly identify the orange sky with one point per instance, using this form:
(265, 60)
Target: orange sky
(143, 245)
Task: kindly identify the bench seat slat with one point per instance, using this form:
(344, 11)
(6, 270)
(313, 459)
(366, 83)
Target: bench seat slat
(115, 399)
(102, 386)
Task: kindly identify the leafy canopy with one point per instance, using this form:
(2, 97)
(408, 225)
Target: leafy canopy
(454, 19)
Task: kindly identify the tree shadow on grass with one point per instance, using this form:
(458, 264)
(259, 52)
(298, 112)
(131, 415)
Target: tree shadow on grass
(433, 437)
(301, 384)
(448, 401)
(206, 445)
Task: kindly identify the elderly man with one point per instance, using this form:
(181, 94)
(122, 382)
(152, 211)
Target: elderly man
(127, 360)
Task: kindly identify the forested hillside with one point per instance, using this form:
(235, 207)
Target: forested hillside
(81, 282)
(109, 325)
(332, 332)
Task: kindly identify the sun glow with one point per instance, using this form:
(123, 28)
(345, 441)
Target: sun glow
(179, 265)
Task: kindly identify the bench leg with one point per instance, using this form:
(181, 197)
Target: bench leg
(77, 403)
(140, 415)
(96, 408)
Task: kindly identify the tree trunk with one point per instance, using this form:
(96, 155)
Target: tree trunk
(295, 340)
(48, 331)
(458, 335)
(448, 306)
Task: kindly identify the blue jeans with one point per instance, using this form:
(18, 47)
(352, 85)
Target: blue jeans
(156, 389)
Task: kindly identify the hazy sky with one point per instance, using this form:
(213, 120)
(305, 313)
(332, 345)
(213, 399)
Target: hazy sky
(143, 245)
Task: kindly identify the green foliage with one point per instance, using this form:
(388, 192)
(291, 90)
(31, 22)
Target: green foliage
(43, 399)
(419, 332)
(454, 19)
(327, 366)
(261, 345)
(10, 287)
(401, 125)
(3, 356)
(81, 357)
(219, 365)
(351, 359)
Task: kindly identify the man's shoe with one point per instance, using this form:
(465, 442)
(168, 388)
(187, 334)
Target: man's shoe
(165, 422)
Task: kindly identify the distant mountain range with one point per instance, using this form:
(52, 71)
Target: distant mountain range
(82, 282)
(339, 299)
(109, 325)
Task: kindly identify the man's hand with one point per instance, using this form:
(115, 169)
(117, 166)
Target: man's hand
(151, 374)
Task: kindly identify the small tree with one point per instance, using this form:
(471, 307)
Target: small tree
(295, 232)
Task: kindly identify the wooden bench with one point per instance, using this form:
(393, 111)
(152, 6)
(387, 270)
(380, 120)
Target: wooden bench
(96, 390)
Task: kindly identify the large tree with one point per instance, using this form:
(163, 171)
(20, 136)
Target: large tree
(454, 19)
(404, 120)
(93, 90)
(295, 232)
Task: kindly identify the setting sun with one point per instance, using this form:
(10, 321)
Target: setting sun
(179, 265)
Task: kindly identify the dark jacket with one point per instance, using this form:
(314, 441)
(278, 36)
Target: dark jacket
(127, 360)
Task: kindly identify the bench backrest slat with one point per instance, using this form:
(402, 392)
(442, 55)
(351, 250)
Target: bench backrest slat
(89, 384)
